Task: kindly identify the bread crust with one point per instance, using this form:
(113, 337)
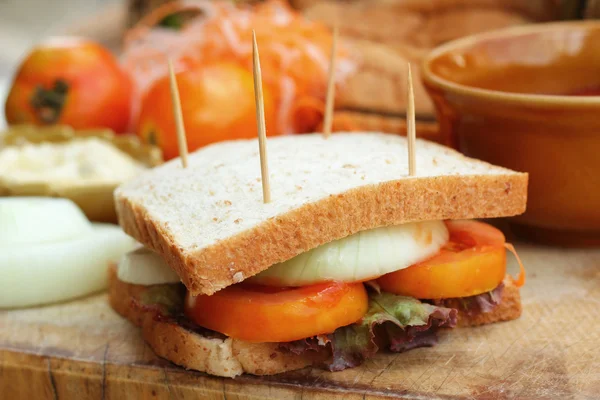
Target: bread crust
(222, 357)
(207, 270)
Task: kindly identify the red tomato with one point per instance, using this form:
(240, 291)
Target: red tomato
(71, 81)
(217, 103)
(472, 262)
(266, 314)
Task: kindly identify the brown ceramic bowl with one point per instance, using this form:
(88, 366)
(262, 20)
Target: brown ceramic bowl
(528, 98)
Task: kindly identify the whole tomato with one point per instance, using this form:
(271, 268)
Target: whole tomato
(217, 101)
(71, 81)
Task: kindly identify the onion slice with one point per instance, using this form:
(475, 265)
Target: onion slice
(50, 252)
(51, 272)
(35, 220)
(144, 267)
(360, 257)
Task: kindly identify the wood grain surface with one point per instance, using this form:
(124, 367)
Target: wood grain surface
(83, 350)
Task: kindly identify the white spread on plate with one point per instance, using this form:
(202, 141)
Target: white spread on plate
(89, 160)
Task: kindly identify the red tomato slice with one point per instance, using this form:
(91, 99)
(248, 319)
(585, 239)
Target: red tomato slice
(265, 314)
(472, 262)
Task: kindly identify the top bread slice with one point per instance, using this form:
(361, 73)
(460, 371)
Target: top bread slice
(211, 226)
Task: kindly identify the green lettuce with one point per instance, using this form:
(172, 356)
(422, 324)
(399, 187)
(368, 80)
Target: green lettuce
(396, 323)
(164, 299)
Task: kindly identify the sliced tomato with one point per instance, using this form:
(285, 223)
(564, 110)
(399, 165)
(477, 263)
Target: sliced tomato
(472, 262)
(265, 314)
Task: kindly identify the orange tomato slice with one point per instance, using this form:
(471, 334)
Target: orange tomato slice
(265, 314)
(472, 262)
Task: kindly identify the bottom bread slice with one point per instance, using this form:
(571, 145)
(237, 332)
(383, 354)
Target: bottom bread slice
(223, 356)
(216, 356)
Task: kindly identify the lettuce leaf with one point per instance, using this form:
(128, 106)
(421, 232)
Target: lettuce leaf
(397, 323)
(474, 305)
(166, 303)
(164, 299)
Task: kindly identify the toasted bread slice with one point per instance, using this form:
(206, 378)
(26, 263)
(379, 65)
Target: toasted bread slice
(209, 222)
(231, 357)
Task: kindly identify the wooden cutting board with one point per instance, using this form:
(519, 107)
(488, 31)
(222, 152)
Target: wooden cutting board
(83, 350)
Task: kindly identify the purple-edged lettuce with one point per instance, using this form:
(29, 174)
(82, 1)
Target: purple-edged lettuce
(397, 323)
(474, 305)
(165, 302)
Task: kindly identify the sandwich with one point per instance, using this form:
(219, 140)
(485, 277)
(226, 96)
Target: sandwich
(352, 255)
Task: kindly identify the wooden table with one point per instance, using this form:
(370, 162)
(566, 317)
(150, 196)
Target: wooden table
(83, 350)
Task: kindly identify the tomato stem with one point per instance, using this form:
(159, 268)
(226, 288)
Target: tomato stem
(48, 103)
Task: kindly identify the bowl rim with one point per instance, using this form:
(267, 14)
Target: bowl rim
(432, 79)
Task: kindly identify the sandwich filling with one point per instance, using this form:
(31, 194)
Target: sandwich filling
(386, 288)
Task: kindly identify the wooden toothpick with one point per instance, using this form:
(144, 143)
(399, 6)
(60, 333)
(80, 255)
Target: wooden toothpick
(410, 126)
(181, 140)
(328, 120)
(260, 121)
